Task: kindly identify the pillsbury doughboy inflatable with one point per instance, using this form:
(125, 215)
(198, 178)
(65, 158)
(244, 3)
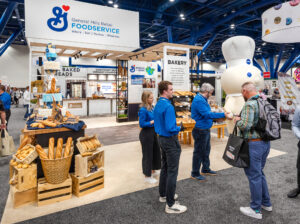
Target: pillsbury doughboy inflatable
(238, 52)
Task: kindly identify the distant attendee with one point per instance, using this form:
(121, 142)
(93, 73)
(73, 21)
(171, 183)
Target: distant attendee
(296, 129)
(26, 97)
(6, 100)
(17, 96)
(98, 92)
(151, 161)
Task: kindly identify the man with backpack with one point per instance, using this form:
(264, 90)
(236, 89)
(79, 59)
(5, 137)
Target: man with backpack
(259, 149)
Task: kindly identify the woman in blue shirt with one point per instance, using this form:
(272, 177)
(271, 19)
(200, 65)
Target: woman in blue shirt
(148, 138)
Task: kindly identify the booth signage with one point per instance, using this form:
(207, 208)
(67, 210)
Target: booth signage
(68, 71)
(267, 75)
(76, 21)
(142, 76)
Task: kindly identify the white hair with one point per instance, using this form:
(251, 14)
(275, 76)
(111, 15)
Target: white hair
(206, 87)
(249, 87)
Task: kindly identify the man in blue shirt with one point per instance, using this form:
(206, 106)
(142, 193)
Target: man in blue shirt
(167, 129)
(296, 129)
(6, 101)
(202, 114)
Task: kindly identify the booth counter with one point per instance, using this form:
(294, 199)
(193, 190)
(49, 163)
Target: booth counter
(101, 106)
(76, 106)
(90, 106)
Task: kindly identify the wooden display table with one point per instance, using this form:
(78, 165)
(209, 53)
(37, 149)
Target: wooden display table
(187, 133)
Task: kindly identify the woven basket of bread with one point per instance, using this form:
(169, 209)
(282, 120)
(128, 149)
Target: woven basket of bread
(26, 154)
(88, 144)
(56, 171)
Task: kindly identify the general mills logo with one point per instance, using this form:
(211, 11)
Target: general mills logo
(132, 69)
(149, 70)
(59, 23)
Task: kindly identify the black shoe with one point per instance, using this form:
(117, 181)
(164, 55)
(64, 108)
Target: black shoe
(294, 193)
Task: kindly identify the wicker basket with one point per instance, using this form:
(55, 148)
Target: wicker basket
(56, 171)
(32, 156)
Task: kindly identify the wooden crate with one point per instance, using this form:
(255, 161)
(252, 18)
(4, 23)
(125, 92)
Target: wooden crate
(81, 163)
(21, 198)
(51, 193)
(26, 178)
(87, 185)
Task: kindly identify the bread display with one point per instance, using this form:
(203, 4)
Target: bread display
(183, 93)
(51, 148)
(94, 163)
(24, 152)
(59, 148)
(88, 144)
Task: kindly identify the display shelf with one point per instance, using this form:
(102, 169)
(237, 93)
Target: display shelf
(122, 91)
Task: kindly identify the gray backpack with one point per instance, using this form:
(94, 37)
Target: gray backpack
(269, 122)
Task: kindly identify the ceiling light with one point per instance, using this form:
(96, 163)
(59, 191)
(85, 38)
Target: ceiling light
(14, 17)
(110, 2)
(22, 40)
(182, 18)
(258, 49)
(232, 26)
(171, 0)
(116, 6)
(22, 20)
(181, 15)
(263, 44)
(233, 11)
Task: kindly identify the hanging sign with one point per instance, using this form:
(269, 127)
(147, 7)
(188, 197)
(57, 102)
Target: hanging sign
(80, 22)
(176, 69)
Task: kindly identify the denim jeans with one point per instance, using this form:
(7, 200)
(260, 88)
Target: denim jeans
(298, 165)
(170, 150)
(201, 151)
(258, 153)
(27, 111)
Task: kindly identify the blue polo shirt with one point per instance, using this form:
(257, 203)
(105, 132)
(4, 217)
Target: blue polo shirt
(165, 119)
(145, 116)
(202, 114)
(6, 100)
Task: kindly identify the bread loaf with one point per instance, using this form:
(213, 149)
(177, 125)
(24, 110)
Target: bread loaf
(41, 152)
(59, 148)
(53, 81)
(51, 148)
(48, 123)
(68, 147)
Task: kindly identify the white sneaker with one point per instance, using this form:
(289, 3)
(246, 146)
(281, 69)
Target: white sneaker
(150, 180)
(269, 209)
(164, 199)
(156, 173)
(175, 209)
(250, 212)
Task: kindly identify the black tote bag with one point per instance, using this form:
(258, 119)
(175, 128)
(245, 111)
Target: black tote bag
(237, 151)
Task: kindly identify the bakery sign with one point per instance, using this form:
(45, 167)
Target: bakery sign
(68, 71)
(79, 22)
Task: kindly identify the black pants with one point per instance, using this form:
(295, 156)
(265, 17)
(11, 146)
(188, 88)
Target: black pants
(7, 113)
(298, 165)
(151, 151)
(170, 150)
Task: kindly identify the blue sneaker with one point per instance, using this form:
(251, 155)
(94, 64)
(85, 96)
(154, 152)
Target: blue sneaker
(209, 173)
(200, 177)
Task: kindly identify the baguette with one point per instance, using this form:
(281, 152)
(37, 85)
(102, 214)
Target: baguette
(86, 154)
(59, 148)
(83, 145)
(53, 81)
(51, 148)
(41, 152)
(48, 123)
(34, 125)
(68, 147)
